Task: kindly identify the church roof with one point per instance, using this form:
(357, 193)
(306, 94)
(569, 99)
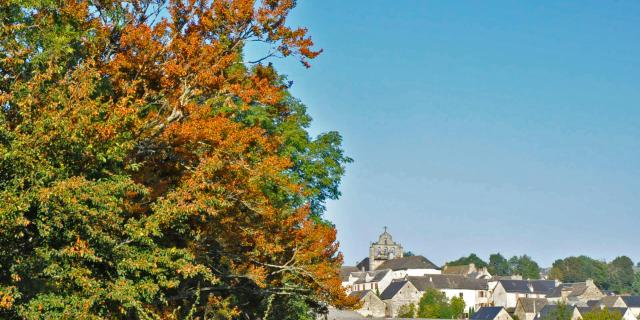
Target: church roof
(363, 265)
(404, 263)
(447, 281)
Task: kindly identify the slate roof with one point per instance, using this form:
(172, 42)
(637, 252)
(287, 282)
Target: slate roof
(549, 309)
(392, 289)
(631, 301)
(575, 289)
(531, 305)
(607, 301)
(359, 294)
(363, 265)
(375, 276)
(529, 286)
(448, 281)
(345, 271)
(486, 313)
(413, 262)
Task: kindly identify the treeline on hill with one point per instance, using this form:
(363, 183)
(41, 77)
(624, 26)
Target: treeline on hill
(148, 170)
(618, 275)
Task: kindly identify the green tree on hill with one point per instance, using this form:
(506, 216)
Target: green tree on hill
(472, 258)
(620, 275)
(579, 269)
(524, 266)
(499, 265)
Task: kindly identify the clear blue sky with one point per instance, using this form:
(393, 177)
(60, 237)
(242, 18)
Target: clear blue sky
(493, 126)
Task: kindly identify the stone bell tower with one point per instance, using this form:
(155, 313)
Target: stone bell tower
(383, 250)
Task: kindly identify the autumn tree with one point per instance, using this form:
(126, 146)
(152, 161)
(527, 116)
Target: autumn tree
(149, 170)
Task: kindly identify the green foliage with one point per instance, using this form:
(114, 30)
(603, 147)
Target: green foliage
(602, 314)
(524, 266)
(635, 287)
(561, 312)
(472, 258)
(407, 311)
(498, 265)
(435, 305)
(457, 307)
(620, 275)
(291, 308)
(578, 269)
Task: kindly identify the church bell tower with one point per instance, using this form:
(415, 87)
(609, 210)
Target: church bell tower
(383, 250)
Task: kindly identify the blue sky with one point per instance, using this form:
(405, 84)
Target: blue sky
(493, 126)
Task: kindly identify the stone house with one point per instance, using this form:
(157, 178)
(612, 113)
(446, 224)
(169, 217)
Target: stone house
(371, 304)
(507, 292)
(527, 308)
(474, 292)
(577, 293)
(491, 313)
(607, 301)
(397, 294)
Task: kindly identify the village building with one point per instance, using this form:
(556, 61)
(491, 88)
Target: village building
(474, 292)
(527, 308)
(410, 266)
(577, 293)
(469, 270)
(607, 301)
(491, 313)
(398, 294)
(507, 292)
(633, 303)
(552, 311)
(371, 304)
(377, 280)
